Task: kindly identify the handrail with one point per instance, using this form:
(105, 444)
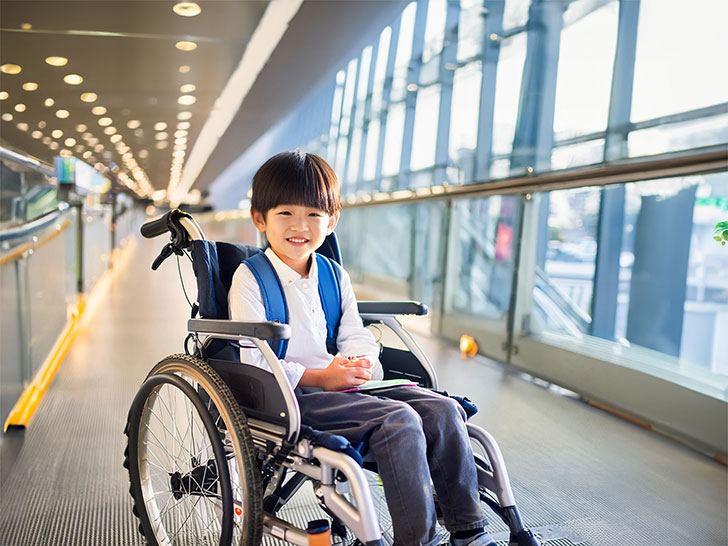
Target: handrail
(27, 161)
(36, 225)
(703, 160)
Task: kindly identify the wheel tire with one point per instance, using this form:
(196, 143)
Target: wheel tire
(230, 428)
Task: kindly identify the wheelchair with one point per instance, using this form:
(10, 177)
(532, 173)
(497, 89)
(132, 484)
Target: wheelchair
(216, 448)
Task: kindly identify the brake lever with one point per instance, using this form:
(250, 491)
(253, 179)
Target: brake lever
(167, 251)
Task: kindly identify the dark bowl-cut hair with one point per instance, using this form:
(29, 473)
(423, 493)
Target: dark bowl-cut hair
(296, 178)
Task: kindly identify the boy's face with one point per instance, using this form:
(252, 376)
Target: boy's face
(295, 232)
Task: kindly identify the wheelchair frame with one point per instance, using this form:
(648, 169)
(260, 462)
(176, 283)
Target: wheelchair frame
(292, 452)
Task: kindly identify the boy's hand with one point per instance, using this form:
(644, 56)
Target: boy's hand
(344, 373)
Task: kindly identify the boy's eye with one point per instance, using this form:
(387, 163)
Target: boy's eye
(285, 213)
(315, 214)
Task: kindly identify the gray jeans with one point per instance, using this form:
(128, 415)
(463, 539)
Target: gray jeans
(416, 436)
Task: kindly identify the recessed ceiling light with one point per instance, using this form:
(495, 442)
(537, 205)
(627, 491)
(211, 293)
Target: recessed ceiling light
(63, 114)
(143, 154)
(133, 123)
(86, 135)
(10, 68)
(115, 138)
(160, 126)
(187, 100)
(70, 141)
(180, 133)
(72, 79)
(139, 132)
(46, 140)
(179, 146)
(187, 88)
(178, 153)
(105, 122)
(65, 153)
(99, 148)
(180, 140)
(56, 61)
(49, 102)
(98, 110)
(182, 46)
(87, 154)
(7, 117)
(3, 95)
(36, 134)
(183, 125)
(89, 97)
(56, 133)
(187, 9)
(184, 69)
(22, 126)
(19, 107)
(127, 156)
(93, 141)
(161, 145)
(26, 26)
(53, 145)
(41, 124)
(81, 127)
(30, 86)
(161, 136)
(184, 115)
(110, 130)
(79, 148)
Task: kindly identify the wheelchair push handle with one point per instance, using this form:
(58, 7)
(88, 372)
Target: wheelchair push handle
(156, 227)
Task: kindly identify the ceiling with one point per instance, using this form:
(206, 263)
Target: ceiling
(125, 52)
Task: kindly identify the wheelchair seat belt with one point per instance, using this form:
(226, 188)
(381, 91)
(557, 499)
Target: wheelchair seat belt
(274, 300)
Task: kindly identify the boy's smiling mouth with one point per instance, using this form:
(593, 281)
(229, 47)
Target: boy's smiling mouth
(297, 240)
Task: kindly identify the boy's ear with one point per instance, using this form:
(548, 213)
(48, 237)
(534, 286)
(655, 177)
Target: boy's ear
(333, 220)
(258, 220)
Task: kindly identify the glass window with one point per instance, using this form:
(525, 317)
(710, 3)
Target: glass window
(482, 255)
(507, 92)
(370, 154)
(665, 303)
(679, 136)
(464, 114)
(345, 123)
(573, 155)
(380, 70)
(404, 52)
(434, 29)
(336, 113)
(424, 138)
(586, 60)
(515, 13)
(682, 52)
(393, 139)
(471, 26)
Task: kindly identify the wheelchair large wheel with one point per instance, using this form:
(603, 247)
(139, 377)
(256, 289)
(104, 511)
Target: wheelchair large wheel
(191, 460)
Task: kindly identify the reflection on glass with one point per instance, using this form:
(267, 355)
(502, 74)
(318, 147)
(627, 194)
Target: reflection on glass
(586, 60)
(370, 154)
(380, 70)
(682, 52)
(666, 303)
(424, 138)
(345, 122)
(464, 116)
(573, 155)
(679, 136)
(483, 255)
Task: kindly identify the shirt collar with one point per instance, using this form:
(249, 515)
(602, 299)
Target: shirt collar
(285, 273)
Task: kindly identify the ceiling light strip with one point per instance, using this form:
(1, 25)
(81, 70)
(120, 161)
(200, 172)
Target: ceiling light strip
(263, 42)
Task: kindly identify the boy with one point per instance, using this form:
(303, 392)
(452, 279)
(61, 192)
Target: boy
(415, 435)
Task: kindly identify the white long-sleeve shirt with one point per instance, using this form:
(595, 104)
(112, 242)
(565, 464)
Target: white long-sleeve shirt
(307, 346)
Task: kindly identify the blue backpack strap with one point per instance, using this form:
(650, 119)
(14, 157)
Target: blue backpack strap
(276, 308)
(329, 285)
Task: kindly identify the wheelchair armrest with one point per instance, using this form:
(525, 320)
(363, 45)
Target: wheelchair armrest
(270, 331)
(392, 308)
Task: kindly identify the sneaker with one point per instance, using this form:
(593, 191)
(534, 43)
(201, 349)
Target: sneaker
(481, 539)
